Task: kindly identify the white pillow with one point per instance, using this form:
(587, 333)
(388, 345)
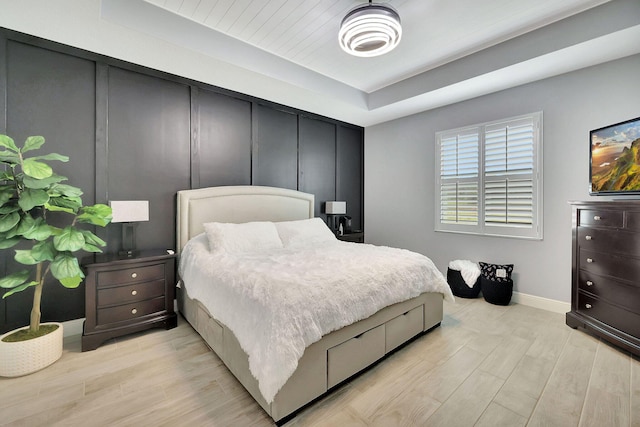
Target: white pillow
(241, 238)
(304, 232)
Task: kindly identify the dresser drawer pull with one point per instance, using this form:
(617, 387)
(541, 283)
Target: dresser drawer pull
(134, 311)
(587, 306)
(589, 283)
(134, 275)
(597, 218)
(587, 237)
(134, 292)
(589, 260)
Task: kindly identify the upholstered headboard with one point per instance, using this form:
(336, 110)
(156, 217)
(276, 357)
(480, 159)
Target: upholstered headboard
(238, 204)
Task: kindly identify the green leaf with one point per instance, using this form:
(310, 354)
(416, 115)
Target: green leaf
(91, 248)
(7, 142)
(44, 251)
(33, 143)
(6, 243)
(52, 156)
(65, 266)
(26, 223)
(5, 195)
(6, 176)
(8, 221)
(71, 282)
(64, 204)
(43, 183)
(36, 169)
(25, 257)
(9, 208)
(29, 199)
(9, 157)
(69, 240)
(98, 214)
(67, 190)
(92, 239)
(41, 231)
(14, 279)
(19, 288)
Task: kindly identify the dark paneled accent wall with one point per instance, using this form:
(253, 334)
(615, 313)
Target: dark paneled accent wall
(134, 133)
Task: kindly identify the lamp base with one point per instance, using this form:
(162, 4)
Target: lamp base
(128, 239)
(128, 254)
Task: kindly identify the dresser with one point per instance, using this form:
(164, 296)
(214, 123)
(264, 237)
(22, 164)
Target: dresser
(128, 294)
(605, 292)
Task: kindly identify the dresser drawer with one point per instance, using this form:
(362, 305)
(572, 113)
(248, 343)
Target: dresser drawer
(610, 265)
(130, 293)
(131, 311)
(603, 240)
(601, 218)
(131, 275)
(354, 355)
(612, 315)
(623, 294)
(399, 329)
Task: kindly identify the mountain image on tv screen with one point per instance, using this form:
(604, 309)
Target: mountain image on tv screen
(615, 158)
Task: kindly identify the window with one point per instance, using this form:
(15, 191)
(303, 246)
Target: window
(488, 178)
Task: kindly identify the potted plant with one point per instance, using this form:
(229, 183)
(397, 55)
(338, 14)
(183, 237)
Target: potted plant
(29, 192)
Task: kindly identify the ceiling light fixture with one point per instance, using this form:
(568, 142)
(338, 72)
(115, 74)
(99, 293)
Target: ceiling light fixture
(370, 29)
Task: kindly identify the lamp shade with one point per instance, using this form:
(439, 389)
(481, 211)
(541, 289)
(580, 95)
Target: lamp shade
(129, 210)
(370, 29)
(336, 208)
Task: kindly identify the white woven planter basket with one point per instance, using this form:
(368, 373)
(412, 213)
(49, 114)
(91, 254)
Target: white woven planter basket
(26, 357)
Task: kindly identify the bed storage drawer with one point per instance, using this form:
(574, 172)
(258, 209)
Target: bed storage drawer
(399, 329)
(354, 355)
(210, 330)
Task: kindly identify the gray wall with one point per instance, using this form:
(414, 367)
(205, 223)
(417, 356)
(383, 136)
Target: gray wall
(400, 174)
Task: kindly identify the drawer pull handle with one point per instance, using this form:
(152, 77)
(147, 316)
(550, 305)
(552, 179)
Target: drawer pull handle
(589, 283)
(589, 260)
(597, 218)
(134, 311)
(587, 237)
(134, 292)
(587, 306)
(134, 275)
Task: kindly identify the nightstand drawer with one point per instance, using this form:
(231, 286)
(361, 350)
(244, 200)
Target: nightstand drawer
(130, 275)
(130, 293)
(131, 311)
(614, 291)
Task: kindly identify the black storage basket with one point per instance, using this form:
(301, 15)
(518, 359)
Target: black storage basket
(498, 293)
(459, 287)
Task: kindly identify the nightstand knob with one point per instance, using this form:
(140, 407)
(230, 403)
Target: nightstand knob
(587, 306)
(134, 275)
(589, 260)
(134, 311)
(589, 283)
(134, 292)
(587, 237)
(597, 218)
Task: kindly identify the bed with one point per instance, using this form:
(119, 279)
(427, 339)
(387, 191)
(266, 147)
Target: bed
(325, 362)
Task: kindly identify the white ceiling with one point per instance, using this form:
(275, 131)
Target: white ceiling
(294, 43)
(434, 31)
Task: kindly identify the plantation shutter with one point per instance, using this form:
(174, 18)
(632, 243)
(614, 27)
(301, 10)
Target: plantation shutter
(459, 173)
(509, 161)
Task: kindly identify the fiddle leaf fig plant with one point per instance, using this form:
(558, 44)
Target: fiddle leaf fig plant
(29, 190)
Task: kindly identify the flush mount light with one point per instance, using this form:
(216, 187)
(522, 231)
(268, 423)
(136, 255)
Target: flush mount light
(370, 29)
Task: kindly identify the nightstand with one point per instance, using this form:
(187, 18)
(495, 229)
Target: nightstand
(356, 237)
(128, 294)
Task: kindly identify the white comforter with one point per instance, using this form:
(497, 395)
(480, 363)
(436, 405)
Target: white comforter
(280, 302)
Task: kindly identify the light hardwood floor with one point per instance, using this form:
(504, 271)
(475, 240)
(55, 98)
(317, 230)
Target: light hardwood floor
(485, 366)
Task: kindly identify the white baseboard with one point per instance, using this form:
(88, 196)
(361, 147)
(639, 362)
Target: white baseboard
(73, 327)
(540, 302)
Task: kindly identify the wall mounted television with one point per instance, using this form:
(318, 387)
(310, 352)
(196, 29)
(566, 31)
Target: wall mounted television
(615, 159)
